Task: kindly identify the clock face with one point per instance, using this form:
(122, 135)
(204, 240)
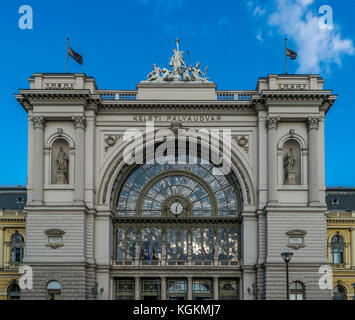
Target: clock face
(176, 208)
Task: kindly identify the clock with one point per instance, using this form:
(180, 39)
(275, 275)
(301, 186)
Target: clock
(176, 208)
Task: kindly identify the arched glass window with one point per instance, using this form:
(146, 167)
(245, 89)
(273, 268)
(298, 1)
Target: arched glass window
(13, 292)
(339, 293)
(297, 291)
(54, 290)
(149, 188)
(337, 250)
(17, 248)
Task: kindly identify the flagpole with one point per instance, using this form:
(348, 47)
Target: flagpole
(68, 55)
(286, 53)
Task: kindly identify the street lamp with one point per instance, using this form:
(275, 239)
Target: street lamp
(287, 258)
(354, 290)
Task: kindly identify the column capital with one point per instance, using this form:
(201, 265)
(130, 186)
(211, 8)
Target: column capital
(313, 123)
(79, 122)
(272, 122)
(38, 122)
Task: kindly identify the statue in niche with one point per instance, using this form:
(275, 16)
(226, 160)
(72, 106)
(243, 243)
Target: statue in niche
(290, 168)
(62, 167)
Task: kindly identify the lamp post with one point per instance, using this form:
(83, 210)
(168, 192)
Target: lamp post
(354, 290)
(287, 258)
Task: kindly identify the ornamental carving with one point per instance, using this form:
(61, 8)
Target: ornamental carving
(272, 122)
(79, 122)
(243, 142)
(111, 141)
(38, 122)
(313, 123)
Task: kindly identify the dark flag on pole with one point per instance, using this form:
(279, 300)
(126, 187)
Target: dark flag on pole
(76, 56)
(291, 54)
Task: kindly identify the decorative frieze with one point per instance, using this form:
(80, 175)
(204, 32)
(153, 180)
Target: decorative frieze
(79, 122)
(313, 123)
(272, 122)
(38, 122)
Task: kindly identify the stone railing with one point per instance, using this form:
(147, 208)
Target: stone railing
(117, 95)
(131, 95)
(175, 263)
(234, 95)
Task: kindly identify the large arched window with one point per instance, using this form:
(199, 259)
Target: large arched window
(54, 290)
(13, 291)
(339, 293)
(17, 246)
(297, 291)
(337, 250)
(172, 214)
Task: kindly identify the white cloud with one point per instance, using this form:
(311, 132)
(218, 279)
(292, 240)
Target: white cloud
(259, 11)
(317, 48)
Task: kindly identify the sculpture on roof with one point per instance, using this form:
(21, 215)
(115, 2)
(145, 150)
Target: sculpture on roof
(180, 71)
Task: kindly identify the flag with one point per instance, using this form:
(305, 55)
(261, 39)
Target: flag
(148, 252)
(76, 56)
(291, 54)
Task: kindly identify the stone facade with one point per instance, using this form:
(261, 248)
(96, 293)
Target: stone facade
(282, 108)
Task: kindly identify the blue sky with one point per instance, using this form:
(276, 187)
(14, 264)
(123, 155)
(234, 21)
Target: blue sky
(120, 40)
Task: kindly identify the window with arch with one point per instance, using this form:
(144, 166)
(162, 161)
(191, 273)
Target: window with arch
(297, 291)
(54, 290)
(17, 246)
(339, 293)
(337, 250)
(13, 291)
(174, 213)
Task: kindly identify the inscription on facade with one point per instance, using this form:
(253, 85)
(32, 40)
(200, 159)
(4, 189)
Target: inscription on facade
(177, 118)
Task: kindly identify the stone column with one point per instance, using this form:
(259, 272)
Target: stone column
(272, 124)
(1, 247)
(137, 288)
(352, 253)
(313, 164)
(189, 288)
(80, 125)
(163, 288)
(39, 125)
(215, 288)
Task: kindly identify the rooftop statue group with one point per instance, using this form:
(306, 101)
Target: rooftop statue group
(179, 70)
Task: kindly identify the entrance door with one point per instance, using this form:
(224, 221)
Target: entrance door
(202, 289)
(151, 289)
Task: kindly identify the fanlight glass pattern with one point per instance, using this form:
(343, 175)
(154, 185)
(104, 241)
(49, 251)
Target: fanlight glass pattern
(169, 180)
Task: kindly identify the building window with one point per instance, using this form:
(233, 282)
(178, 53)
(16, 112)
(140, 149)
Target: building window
(297, 291)
(202, 289)
(177, 289)
(228, 289)
(337, 250)
(339, 293)
(16, 248)
(151, 289)
(13, 292)
(125, 289)
(54, 290)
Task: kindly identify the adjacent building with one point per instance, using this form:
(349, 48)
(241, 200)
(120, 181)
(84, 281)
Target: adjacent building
(12, 239)
(341, 241)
